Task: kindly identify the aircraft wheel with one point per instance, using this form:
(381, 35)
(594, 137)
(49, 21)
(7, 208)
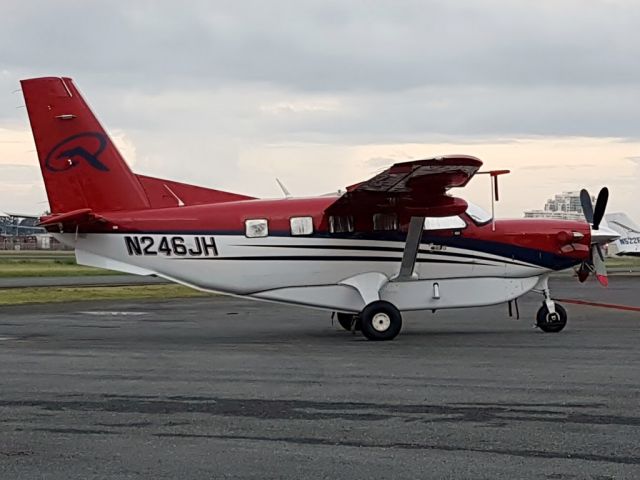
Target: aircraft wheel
(380, 321)
(546, 321)
(346, 321)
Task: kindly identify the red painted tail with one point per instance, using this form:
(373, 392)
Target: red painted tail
(81, 166)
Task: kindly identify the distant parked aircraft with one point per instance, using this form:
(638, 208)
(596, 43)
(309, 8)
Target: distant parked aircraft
(629, 241)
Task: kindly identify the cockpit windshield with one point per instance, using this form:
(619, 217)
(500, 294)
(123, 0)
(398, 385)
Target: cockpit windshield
(478, 214)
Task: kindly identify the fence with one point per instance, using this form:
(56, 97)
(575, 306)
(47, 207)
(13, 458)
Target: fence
(31, 242)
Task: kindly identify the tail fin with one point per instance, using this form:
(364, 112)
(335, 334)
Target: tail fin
(80, 165)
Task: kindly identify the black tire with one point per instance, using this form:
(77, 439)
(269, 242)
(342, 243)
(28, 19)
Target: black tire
(549, 325)
(380, 321)
(346, 319)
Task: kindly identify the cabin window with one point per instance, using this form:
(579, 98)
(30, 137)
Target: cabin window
(341, 223)
(444, 223)
(385, 221)
(301, 225)
(256, 228)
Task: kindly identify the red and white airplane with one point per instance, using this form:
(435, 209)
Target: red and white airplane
(396, 242)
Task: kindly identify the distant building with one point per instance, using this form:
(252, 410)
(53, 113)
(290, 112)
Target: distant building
(564, 206)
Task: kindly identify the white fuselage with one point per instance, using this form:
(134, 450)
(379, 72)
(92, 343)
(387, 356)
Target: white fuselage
(315, 272)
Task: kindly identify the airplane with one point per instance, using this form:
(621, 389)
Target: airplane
(396, 242)
(629, 242)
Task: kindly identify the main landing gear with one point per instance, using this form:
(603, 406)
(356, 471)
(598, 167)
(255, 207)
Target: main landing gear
(379, 320)
(551, 317)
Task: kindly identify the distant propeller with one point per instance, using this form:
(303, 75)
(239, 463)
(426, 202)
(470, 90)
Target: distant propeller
(595, 264)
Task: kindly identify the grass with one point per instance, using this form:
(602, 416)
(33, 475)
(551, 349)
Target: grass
(20, 296)
(624, 262)
(20, 269)
(22, 254)
(44, 264)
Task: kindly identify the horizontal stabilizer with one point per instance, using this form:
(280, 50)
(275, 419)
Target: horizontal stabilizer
(74, 218)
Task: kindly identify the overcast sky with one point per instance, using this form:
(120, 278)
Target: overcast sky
(323, 94)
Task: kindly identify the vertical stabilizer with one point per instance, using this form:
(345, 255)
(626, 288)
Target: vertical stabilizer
(80, 165)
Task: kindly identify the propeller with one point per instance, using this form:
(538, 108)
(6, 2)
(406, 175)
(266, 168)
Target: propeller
(601, 206)
(587, 207)
(595, 264)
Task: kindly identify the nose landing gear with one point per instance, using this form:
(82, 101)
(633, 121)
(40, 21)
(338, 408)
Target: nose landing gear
(551, 317)
(551, 322)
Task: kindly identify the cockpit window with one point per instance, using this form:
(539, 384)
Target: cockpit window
(478, 214)
(341, 223)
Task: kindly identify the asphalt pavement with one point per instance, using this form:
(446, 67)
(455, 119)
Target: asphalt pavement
(227, 388)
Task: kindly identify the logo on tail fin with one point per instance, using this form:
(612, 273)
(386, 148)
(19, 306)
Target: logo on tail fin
(71, 151)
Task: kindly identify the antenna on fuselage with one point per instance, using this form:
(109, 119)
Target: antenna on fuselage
(286, 192)
(173, 194)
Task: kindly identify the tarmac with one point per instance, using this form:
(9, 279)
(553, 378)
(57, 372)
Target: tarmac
(223, 387)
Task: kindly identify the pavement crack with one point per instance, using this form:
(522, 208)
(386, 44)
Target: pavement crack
(418, 446)
(75, 431)
(314, 410)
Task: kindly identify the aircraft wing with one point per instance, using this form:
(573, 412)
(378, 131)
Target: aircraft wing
(624, 227)
(418, 188)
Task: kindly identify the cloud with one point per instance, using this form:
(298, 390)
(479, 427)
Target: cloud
(331, 45)
(324, 92)
(547, 167)
(340, 72)
(18, 174)
(378, 162)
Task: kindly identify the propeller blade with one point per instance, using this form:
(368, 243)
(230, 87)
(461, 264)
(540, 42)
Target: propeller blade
(583, 273)
(601, 206)
(587, 206)
(599, 265)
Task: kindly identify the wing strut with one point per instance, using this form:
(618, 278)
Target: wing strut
(411, 247)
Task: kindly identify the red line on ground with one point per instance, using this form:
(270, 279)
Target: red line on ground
(628, 308)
